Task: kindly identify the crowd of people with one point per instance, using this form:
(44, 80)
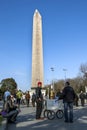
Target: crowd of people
(11, 105)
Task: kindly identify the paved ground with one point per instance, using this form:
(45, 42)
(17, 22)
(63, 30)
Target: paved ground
(27, 121)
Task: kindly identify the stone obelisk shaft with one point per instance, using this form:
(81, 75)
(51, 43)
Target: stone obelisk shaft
(37, 51)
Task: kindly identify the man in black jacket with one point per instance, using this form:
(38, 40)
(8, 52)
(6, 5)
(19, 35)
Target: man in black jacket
(68, 99)
(39, 101)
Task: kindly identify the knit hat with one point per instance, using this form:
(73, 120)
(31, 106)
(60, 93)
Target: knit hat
(40, 83)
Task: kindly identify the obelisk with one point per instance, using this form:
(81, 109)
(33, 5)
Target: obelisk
(37, 51)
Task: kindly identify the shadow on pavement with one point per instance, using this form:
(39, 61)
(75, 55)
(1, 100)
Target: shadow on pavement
(29, 122)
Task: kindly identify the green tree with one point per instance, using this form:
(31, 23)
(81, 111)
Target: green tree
(8, 82)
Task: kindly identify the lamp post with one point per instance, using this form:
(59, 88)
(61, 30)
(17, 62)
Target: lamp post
(48, 93)
(65, 73)
(52, 69)
(52, 86)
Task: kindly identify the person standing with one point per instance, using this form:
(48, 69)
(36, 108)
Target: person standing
(76, 100)
(82, 98)
(39, 101)
(59, 94)
(33, 99)
(6, 94)
(19, 95)
(68, 99)
(27, 96)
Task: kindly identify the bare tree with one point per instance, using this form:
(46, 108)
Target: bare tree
(83, 68)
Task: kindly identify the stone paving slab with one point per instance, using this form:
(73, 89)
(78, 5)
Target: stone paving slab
(3, 125)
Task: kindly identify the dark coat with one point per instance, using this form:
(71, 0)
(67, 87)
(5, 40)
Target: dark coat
(68, 94)
(38, 93)
(82, 96)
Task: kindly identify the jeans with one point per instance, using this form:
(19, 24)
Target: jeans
(68, 111)
(11, 116)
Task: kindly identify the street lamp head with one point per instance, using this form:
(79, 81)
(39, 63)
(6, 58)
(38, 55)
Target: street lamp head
(52, 69)
(65, 72)
(64, 69)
